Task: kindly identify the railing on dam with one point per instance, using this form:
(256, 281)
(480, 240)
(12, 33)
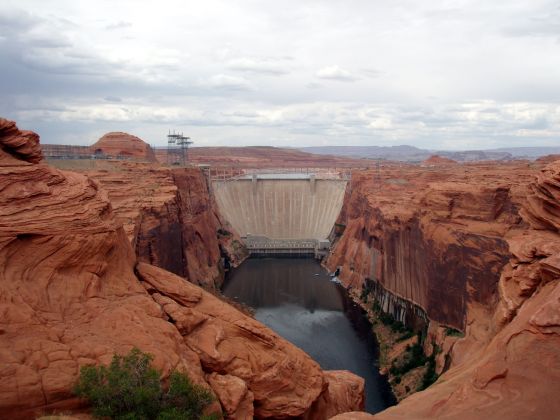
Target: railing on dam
(234, 173)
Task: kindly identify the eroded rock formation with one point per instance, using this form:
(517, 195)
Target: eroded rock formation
(72, 293)
(124, 145)
(477, 248)
(436, 160)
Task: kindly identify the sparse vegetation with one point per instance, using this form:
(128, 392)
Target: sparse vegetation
(453, 332)
(223, 232)
(408, 334)
(430, 376)
(129, 388)
(414, 358)
(409, 369)
(366, 290)
(388, 320)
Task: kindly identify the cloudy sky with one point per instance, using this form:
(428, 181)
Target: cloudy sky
(452, 74)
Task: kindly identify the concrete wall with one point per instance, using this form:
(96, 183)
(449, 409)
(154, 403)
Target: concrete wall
(281, 208)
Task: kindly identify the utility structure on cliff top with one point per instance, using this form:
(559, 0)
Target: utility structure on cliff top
(177, 148)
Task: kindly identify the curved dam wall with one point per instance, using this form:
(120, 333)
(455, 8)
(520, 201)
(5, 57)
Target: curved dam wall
(280, 207)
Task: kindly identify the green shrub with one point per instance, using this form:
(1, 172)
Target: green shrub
(414, 358)
(430, 376)
(453, 332)
(223, 232)
(130, 389)
(388, 320)
(408, 334)
(185, 397)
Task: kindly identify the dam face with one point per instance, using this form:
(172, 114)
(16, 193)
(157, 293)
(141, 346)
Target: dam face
(281, 210)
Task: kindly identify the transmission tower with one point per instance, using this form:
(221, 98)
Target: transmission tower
(177, 148)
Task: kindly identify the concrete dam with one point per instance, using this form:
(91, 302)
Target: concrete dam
(281, 213)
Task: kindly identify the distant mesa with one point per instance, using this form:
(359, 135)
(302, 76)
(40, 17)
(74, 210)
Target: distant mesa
(437, 160)
(124, 145)
(114, 145)
(548, 158)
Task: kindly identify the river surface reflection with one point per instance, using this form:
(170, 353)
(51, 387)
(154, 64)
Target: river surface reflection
(297, 299)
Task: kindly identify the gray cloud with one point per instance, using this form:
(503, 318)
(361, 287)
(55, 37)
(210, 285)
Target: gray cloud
(227, 82)
(541, 23)
(248, 73)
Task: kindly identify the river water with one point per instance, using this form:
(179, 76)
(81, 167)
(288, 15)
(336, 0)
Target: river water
(298, 299)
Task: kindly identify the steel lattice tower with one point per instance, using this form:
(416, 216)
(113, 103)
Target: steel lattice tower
(177, 148)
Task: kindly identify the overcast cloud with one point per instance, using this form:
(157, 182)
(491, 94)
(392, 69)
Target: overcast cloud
(441, 74)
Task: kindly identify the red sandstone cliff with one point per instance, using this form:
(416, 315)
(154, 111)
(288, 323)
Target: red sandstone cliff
(433, 237)
(477, 248)
(119, 144)
(72, 293)
(170, 219)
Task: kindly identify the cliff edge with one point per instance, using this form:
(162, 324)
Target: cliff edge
(474, 248)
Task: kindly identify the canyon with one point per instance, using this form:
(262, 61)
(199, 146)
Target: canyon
(73, 292)
(127, 253)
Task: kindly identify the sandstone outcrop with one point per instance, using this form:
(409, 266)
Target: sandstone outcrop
(18, 147)
(477, 248)
(542, 210)
(436, 160)
(124, 145)
(228, 342)
(170, 219)
(72, 294)
(548, 159)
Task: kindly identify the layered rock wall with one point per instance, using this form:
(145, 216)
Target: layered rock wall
(494, 231)
(170, 219)
(435, 243)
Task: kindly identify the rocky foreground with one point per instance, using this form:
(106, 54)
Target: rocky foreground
(72, 293)
(472, 249)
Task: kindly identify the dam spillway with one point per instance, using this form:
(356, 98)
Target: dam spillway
(281, 211)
